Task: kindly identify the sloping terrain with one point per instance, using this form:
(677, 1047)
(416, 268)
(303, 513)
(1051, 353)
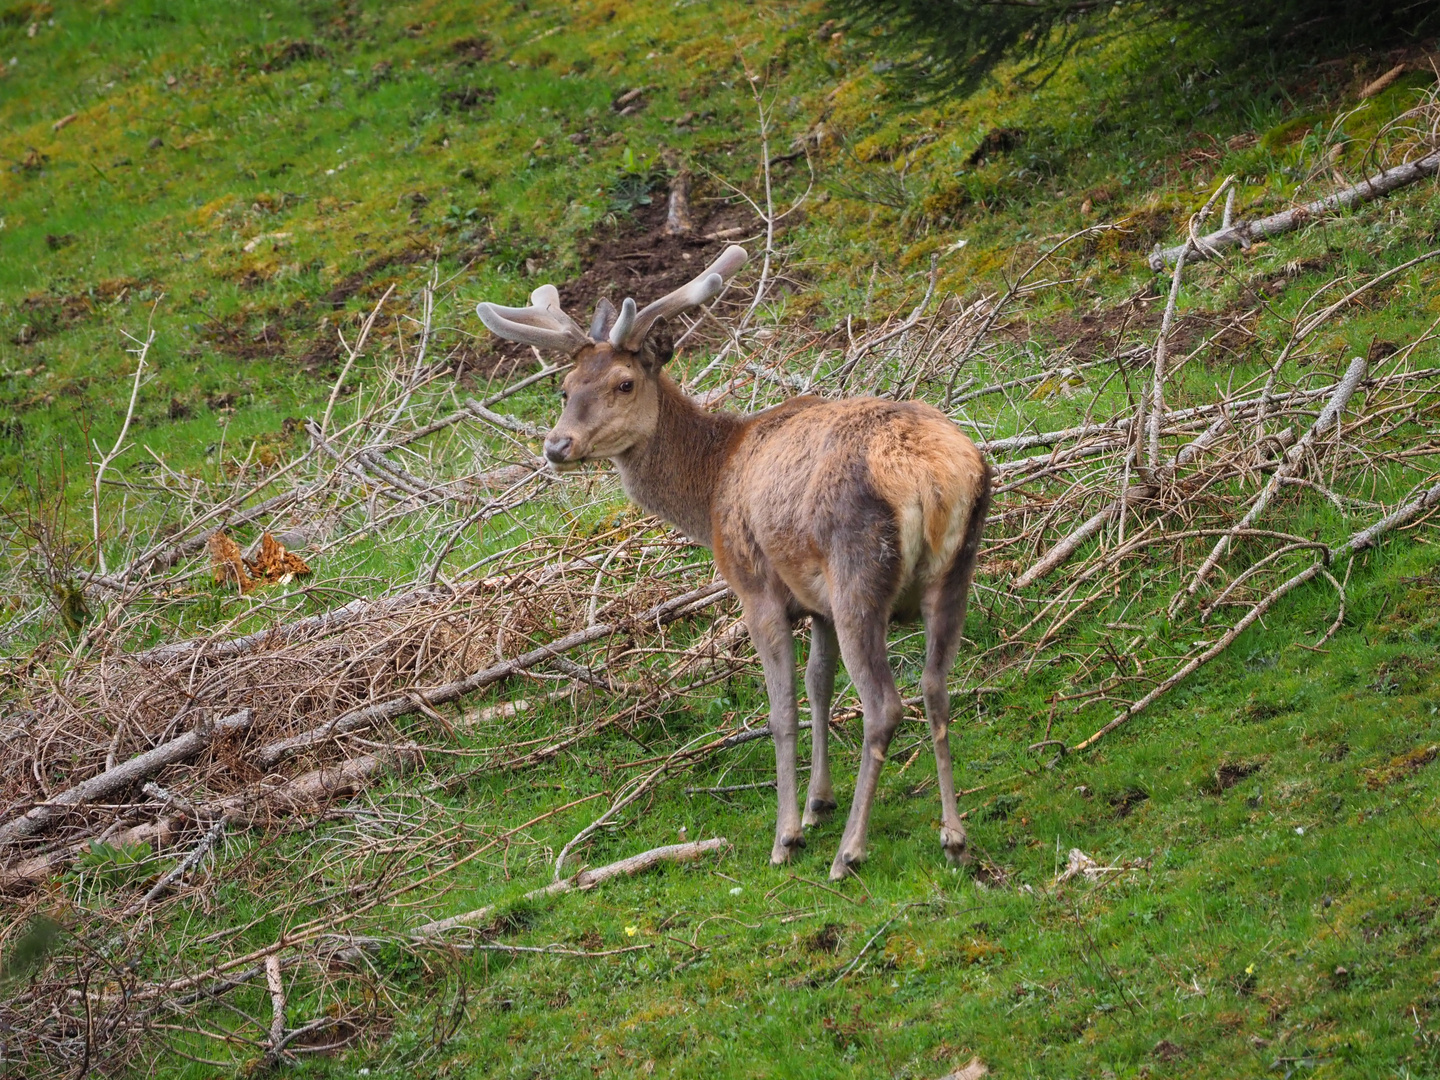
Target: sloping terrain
(1197, 715)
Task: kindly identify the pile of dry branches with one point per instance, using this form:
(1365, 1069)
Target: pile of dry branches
(1133, 511)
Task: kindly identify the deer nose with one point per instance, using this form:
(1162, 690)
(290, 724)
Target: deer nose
(557, 448)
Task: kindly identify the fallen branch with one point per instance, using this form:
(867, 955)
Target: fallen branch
(501, 420)
(1124, 425)
(1294, 458)
(1244, 232)
(185, 865)
(585, 879)
(726, 789)
(1205, 657)
(1366, 538)
(351, 464)
(306, 793)
(376, 464)
(1014, 290)
(405, 702)
(1067, 547)
(355, 611)
(352, 946)
(42, 817)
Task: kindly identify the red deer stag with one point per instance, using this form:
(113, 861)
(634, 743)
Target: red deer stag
(852, 511)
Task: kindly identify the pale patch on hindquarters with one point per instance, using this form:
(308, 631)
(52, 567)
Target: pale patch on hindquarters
(928, 471)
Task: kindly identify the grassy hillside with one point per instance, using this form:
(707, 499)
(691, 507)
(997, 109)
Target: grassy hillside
(253, 189)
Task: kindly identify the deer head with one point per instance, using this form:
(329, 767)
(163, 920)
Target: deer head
(611, 395)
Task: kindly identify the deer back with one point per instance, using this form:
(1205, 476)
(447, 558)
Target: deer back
(860, 494)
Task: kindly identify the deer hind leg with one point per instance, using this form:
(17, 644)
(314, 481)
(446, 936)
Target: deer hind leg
(769, 625)
(820, 687)
(862, 644)
(943, 609)
(942, 641)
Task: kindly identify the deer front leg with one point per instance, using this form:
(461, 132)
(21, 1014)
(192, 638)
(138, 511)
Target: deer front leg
(820, 687)
(769, 626)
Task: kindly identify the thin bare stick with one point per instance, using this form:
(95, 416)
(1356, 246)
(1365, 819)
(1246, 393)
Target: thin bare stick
(427, 307)
(1162, 341)
(1000, 305)
(350, 360)
(119, 447)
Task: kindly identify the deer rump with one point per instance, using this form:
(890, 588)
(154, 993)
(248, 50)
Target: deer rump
(854, 502)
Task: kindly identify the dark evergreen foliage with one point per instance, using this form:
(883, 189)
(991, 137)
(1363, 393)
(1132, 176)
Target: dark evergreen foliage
(949, 46)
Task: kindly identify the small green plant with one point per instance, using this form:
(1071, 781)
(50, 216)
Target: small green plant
(629, 192)
(115, 865)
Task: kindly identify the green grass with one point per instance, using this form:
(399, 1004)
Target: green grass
(1316, 852)
(1222, 955)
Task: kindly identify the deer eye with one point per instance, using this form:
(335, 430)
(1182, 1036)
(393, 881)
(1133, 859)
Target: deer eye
(626, 386)
(564, 395)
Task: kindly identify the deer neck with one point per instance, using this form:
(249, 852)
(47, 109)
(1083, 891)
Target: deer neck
(674, 473)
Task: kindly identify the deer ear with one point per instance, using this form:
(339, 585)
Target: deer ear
(658, 346)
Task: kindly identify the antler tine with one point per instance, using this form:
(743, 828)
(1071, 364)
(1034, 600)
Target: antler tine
(632, 326)
(543, 324)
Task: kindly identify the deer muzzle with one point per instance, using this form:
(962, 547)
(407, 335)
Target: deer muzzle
(560, 451)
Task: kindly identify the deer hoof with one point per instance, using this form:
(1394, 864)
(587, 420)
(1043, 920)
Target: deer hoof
(844, 864)
(817, 810)
(785, 846)
(957, 851)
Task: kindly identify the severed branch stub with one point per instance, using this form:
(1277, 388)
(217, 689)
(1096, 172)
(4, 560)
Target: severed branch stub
(974, 1069)
(276, 987)
(678, 221)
